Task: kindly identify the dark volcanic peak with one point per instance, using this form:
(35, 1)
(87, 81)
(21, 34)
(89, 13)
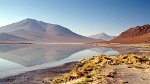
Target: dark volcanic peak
(136, 31)
(138, 34)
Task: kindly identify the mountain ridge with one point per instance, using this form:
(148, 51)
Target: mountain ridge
(39, 31)
(102, 36)
(138, 34)
(5, 37)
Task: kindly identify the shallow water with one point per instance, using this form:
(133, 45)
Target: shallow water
(17, 58)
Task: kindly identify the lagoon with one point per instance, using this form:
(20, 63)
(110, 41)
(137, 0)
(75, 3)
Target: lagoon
(19, 58)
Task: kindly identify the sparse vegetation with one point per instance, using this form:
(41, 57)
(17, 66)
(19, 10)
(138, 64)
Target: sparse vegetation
(91, 69)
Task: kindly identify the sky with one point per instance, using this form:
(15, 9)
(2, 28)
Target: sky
(85, 17)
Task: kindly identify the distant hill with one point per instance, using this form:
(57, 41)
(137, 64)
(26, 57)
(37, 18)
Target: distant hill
(38, 31)
(102, 36)
(139, 34)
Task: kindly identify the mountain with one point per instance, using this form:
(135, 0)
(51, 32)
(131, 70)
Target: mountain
(102, 36)
(139, 34)
(4, 37)
(38, 31)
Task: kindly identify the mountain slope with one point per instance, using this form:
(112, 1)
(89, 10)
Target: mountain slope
(4, 37)
(39, 31)
(139, 34)
(102, 36)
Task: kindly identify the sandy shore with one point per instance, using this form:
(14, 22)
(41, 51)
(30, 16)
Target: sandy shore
(42, 76)
(124, 49)
(119, 74)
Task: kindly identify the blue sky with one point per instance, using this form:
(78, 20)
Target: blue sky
(85, 17)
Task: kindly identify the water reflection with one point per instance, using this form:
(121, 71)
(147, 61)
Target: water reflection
(31, 55)
(27, 55)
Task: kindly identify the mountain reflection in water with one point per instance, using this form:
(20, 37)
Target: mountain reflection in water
(29, 55)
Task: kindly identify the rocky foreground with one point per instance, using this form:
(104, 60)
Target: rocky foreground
(103, 69)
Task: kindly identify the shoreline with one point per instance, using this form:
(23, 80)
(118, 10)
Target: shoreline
(37, 43)
(44, 76)
(34, 76)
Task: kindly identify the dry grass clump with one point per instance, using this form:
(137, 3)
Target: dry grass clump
(90, 69)
(129, 59)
